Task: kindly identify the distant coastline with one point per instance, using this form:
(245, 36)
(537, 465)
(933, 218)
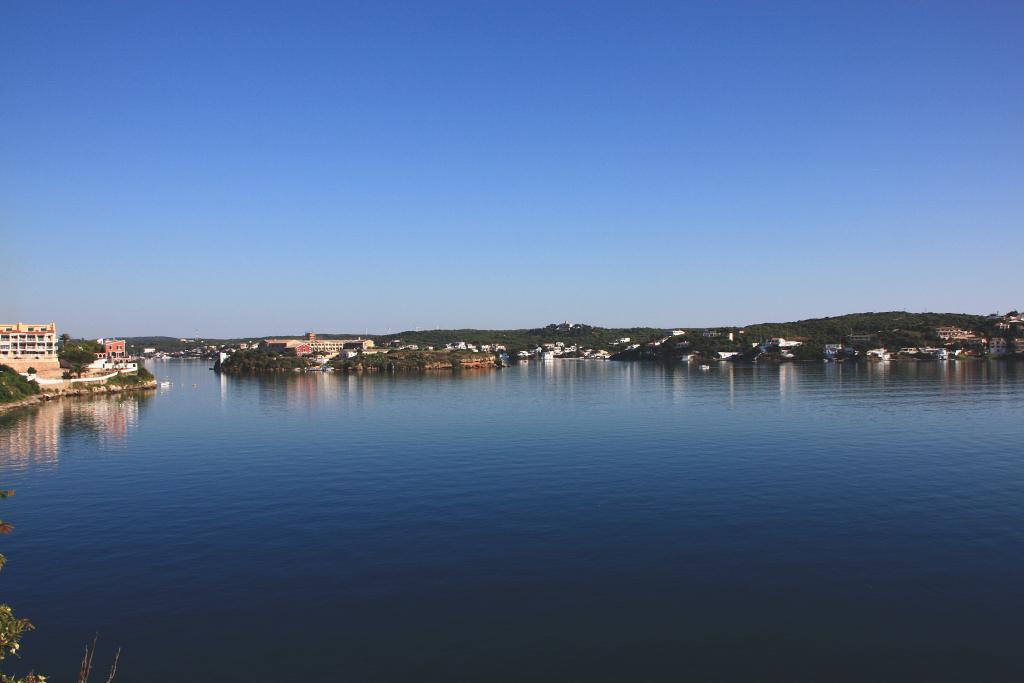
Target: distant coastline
(883, 337)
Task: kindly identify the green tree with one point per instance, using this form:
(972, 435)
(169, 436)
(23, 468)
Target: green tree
(12, 628)
(77, 358)
(76, 355)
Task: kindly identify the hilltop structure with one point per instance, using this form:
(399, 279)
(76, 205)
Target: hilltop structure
(316, 346)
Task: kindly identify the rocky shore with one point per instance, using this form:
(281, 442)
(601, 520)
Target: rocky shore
(404, 361)
(49, 394)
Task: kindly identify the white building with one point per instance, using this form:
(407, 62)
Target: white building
(950, 333)
(106, 364)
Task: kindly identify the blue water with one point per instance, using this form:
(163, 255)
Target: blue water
(559, 521)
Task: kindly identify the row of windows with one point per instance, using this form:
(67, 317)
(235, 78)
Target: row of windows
(19, 352)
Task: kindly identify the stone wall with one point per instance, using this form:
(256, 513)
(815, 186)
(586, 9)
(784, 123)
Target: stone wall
(49, 369)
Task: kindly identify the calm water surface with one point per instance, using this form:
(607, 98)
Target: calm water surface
(560, 521)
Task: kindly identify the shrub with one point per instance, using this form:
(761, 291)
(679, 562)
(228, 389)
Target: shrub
(14, 387)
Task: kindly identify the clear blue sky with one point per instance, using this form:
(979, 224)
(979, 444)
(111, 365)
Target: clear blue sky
(254, 168)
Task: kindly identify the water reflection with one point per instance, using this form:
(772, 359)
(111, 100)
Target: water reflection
(731, 383)
(32, 436)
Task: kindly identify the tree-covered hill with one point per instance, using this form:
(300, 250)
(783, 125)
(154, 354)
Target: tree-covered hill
(834, 329)
(135, 345)
(241, 362)
(892, 327)
(520, 339)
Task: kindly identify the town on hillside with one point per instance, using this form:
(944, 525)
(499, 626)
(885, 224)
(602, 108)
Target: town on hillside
(39, 353)
(992, 336)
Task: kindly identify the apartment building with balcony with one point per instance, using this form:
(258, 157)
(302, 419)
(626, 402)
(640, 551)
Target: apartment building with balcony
(21, 341)
(25, 345)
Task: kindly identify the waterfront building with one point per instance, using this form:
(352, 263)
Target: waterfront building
(106, 364)
(997, 346)
(29, 345)
(112, 349)
(21, 341)
(314, 345)
(327, 347)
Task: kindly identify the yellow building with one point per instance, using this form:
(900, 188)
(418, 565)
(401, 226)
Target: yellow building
(318, 346)
(23, 345)
(332, 347)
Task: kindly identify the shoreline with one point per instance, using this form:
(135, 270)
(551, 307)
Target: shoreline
(46, 396)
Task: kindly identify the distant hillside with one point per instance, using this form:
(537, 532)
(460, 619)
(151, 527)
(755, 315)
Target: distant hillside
(821, 330)
(586, 335)
(890, 323)
(891, 327)
(170, 344)
(515, 340)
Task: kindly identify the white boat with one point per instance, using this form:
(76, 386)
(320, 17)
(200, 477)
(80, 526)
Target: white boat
(164, 385)
(705, 367)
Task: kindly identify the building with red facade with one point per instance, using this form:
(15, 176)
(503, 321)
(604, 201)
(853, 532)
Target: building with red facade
(114, 348)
